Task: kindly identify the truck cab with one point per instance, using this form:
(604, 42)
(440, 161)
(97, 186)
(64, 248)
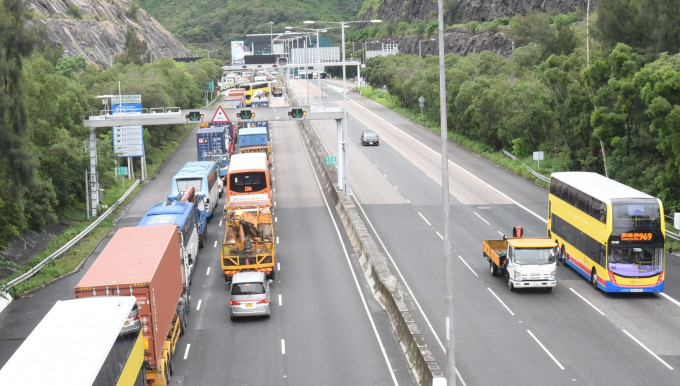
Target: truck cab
(529, 262)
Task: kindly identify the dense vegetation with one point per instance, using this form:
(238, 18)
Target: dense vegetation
(618, 116)
(210, 25)
(44, 97)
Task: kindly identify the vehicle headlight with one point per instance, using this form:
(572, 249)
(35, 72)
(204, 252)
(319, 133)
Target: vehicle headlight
(518, 276)
(553, 274)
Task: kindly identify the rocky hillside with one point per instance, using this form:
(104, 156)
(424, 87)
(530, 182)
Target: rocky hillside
(96, 28)
(467, 10)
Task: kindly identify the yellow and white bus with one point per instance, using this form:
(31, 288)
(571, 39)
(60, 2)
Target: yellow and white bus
(251, 89)
(91, 341)
(608, 232)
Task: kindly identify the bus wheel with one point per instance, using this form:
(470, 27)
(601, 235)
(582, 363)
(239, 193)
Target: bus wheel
(563, 255)
(493, 268)
(593, 278)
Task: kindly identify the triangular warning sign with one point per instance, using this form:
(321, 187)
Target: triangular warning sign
(220, 116)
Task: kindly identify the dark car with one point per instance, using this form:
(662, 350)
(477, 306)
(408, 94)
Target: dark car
(370, 137)
(277, 91)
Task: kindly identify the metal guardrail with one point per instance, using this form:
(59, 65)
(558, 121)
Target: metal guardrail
(73, 241)
(674, 236)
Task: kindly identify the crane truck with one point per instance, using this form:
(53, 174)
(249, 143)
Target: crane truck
(144, 262)
(248, 243)
(524, 262)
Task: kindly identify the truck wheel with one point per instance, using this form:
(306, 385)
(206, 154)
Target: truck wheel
(273, 274)
(493, 268)
(511, 287)
(593, 278)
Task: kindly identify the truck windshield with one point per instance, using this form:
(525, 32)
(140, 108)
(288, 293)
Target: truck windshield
(534, 256)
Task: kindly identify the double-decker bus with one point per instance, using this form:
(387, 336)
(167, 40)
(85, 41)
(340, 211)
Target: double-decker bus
(204, 177)
(251, 89)
(182, 214)
(248, 178)
(91, 341)
(608, 232)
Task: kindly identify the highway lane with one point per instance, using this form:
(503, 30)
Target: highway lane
(587, 333)
(325, 327)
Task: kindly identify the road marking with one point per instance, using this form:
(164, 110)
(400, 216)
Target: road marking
(677, 303)
(186, 352)
(440, 236)
(424, 219)
(220, 222)
(215, 244)
(500, 233)
(283, 347)
(499, 299)
(351, 270)
(466, 264)
(207, 272)
(456, 165)
(278, 266)
(647, 349)
(481, 218)
(546, 350)
(280, 300)
(198, 306)
(277, 240)
(276, 219)
(586, 300)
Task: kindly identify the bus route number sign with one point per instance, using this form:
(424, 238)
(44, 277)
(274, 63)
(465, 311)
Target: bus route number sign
(122, 170)
(331, 161)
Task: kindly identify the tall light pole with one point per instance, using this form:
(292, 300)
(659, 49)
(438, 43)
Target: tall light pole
(343, 144)
(271, 38)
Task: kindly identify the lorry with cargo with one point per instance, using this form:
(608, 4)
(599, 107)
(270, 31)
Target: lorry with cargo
(145, 262)
(213, 144)
(248, 243)
(524, 262)
(254, 140)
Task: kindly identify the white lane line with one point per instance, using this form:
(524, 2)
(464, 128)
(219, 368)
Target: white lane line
(546, 351)
(455, 164)
(198, 306)
(280, 300)
(424, 219)
(481, 218)
(276, 219)
(500, 233)
(277, 240)
(207, 272)
(408, 201)
(220, 222)
(215, 244)
(467, 265)
(396, 187)
(647, 349)
(283, 347)
(586, 300)
(278, 266)
(677, 303)
(440, 235)
(186, 352)
(354, 276)
(500, 301)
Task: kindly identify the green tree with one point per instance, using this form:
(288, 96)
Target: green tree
(135, 49)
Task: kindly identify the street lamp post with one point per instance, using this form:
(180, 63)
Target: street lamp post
(271, 38)
(343, 173)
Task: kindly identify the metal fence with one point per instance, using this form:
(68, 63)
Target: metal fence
(73, 241)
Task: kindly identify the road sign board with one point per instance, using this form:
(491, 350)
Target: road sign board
(128, 141)
(122, 170)
(126, 99)
(331, 161)
(220, 116)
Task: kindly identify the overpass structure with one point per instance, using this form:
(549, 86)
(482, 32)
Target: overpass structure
(176, 116)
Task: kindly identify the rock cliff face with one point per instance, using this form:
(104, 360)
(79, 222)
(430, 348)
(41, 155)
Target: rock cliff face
(468, 10)
(460, 40)
(96, 28)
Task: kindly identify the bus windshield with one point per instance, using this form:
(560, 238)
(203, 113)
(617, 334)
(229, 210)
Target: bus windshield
(533, 256)
(248, 182)
(636, 215)
(635, 262)
(183, 184)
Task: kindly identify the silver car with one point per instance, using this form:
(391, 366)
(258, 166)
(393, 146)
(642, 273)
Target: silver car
(249, 295)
